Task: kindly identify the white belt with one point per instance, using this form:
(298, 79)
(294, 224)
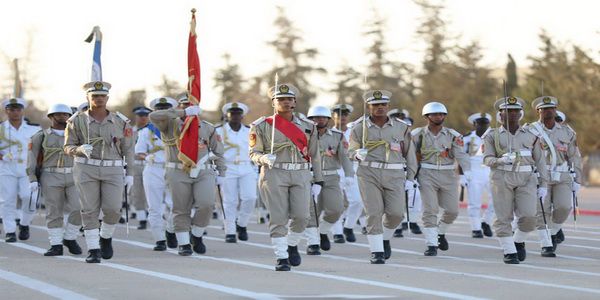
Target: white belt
(99, 162)
(330, 172)
(517, 169)
(155, 164)
(179, 166)
(291, 166)
(437, 167)
(522, 153)
(139, 162)
(382, 165)
(562, 168)
(58, 170)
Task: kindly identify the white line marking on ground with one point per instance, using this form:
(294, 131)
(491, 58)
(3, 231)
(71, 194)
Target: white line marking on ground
(42, 287)
(169, 277)
(318, 275)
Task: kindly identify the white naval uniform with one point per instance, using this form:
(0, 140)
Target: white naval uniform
(241, 180)
(14, 181)
(479, 183)
(355, 204)
(155, 185)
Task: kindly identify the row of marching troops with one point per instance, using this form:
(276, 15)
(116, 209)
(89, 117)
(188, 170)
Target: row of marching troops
(315, 179)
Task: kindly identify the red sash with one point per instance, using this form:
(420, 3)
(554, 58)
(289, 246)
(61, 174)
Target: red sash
(293, 133)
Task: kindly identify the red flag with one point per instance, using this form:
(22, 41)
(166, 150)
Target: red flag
(188, 140)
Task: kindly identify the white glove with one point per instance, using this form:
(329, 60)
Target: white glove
(315, 190)
(542, 192)
(505, 160)
(349, 181)
(576, 187)
(85, 149)
(193, 110)
(268, 160)
(463, 180)
(220, 180)
(361, 154)
(128, 183)
(33, 186)
(409, 185)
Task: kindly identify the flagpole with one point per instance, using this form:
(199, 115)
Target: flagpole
(274, 113)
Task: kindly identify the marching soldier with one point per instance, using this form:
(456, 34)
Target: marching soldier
(101, 143)
(563, 160)
(329, 206)
(241, 181)
(138, 196)
(341, 113)
(479, 184)
(149, 148)
(512, 151)
(286, 145)
(49, 166)
(190, 188)
(387, 167)
(414, 201)
(15, 134)
(438, 148)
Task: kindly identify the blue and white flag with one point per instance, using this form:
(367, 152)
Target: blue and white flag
(96, 64)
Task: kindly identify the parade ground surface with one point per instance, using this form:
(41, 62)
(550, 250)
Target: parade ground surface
(470, 269)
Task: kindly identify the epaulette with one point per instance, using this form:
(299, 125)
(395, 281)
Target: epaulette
(416, 131)
(402, 121)
(220, 125)
(70, 119)
(491, 130)
(333, 129)
(122, 117)
(351, 124)
(305, 119)
(570, 129)
(259, 120)
(454, 132)
(207, 122)
(532, 129)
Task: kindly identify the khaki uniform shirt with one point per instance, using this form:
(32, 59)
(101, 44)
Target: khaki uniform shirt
(46, 151)
(112, 138)
(334, 152)
(443, 149)
(388, 144)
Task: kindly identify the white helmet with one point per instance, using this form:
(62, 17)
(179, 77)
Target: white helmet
(59, 108)
(319, 111)
(434, 108)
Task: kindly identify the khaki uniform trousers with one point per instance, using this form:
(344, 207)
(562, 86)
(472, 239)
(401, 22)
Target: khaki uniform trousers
(558, 202)
(439, 189)
(61, 198)
(287, 196)
(330, 203)
(382, 192)
(514, 194)
(100, 188)
(188, 193)
(137, 194)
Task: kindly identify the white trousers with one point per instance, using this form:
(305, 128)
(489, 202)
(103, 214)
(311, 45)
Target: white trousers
(239, 190)
(159, 201)
(12, 187)
(477, 188)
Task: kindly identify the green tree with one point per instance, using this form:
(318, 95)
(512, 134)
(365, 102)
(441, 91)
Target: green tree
(168, 87)
(229, 80)
(295, 62)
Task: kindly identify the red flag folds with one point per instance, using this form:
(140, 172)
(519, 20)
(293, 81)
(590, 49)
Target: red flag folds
(188, 140)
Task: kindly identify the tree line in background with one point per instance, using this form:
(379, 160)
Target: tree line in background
(450, 72)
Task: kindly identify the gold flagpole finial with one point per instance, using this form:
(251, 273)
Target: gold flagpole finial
(193, 11)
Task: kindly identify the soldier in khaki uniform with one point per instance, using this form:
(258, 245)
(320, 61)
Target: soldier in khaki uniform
(563, 160)
(55, 170)
(386, 171)
(285, 177)
(138, 196)
(330, 203)
(101, 143)
(513, 152)
(438, 149)
(195, 187)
